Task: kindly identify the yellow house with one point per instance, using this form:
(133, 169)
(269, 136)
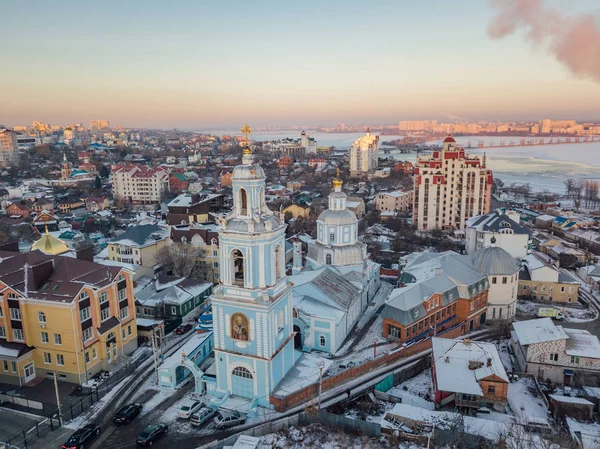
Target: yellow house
(139, 245)
(62, 315)
(297, 210)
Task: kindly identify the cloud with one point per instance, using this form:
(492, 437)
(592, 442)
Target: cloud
(574, 41)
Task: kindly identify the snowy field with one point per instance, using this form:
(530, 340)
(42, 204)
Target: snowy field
(417, 391)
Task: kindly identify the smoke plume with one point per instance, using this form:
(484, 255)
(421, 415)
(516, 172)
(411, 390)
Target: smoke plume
(574, 41)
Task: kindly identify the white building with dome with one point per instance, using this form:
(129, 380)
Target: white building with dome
(502, 271)
(337, 282)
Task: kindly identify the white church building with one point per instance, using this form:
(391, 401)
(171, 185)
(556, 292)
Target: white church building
(337, 282)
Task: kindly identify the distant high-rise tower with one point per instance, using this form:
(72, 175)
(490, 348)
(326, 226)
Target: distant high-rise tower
(546, 126)
(364, 155)
(99, 125)
(8, 148)
(450, 187)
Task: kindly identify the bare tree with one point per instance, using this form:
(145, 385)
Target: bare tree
(570, 187)
(180, 258)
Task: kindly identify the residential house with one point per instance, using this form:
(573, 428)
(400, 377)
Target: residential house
(550, 352)
(178, 182)
(43, 203)
(538, 279)
(170, 298)
(225, 178)
(396, 201)
(189, 208)
(139, 245)
(95, 204)
(69, 204)
(297, 210)
(504, 228)
(18, 209)
(591, 275)
(357, 205)
(45, 220)
(468, 374)
(206, 238)
(285, 162)
(62, 315)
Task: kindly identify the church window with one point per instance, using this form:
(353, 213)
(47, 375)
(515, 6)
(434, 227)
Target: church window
(240, 371)
(238, 266)
(280, 320)
(244, 201)
(332, 237)
(294, 313)
(328, 260)
(239, 327)
(322, 341)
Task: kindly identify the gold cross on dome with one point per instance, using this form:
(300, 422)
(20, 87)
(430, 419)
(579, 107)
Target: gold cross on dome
(246, 130)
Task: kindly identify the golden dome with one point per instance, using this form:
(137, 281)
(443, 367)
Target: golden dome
(247, 150)
(50, 245)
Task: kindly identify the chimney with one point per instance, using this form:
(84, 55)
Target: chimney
(447, 359)
(438, 271)
(467, 341)
(489, 362)
(297, 258)
(85, 253)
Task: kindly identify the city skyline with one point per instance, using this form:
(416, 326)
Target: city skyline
(194, 67)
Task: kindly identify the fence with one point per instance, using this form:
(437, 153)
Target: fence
(34, 432)
(310, 392)
(329, 420)
(25, 405)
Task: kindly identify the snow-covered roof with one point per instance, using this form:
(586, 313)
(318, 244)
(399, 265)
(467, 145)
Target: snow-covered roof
(582, 343)
(538, 331)
(571, 400)
(461, 365)
(495, 222)
(188, 348)
(396, 193)
(312, 307)
(147, 322)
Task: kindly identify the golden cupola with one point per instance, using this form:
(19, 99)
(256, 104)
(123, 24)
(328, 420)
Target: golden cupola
(50, 245)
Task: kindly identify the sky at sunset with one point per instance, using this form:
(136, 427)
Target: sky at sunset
(194, 64)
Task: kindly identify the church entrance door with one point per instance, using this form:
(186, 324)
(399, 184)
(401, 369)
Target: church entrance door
(297, 338)
(242, 383)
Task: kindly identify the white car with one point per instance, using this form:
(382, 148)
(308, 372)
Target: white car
(189, 408)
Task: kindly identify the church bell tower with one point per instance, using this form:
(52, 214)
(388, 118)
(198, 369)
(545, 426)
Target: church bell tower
(252, 306)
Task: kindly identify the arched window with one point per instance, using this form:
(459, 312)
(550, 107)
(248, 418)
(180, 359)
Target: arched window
(238, 266)
(243, 202)
(184, 239)
(322, 341)
(328, 259)
(42, 317)
(240, 371)
(83, 295)
(183, 222)
(280, 320)
(294, 313)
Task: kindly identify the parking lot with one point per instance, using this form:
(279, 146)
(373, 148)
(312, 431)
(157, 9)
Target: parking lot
(14, 422)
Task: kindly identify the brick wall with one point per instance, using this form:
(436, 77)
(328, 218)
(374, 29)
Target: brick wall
(282, 403)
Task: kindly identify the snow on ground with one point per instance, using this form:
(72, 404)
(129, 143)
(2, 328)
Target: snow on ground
(504, 350)
(374, 332)
(524, 400)
(572, 314)
(589, 433)
(304, 373)
(90, 414)
(356, 358)
(417, 391)
(318, 436)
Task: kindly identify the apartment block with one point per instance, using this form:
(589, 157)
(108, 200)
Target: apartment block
(139, 184)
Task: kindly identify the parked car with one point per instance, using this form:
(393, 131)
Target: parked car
(151, 433)
(82, 437)
(225, 420)
(127, 413)
(202, 416)
(183, 328)
(188, 408)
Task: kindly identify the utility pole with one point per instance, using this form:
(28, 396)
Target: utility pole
(154, 356)
(60, 422)
(374, 347)
(320, 383)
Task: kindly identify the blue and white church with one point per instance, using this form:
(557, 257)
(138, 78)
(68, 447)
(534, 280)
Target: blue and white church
(333, 289)
(252, 306)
